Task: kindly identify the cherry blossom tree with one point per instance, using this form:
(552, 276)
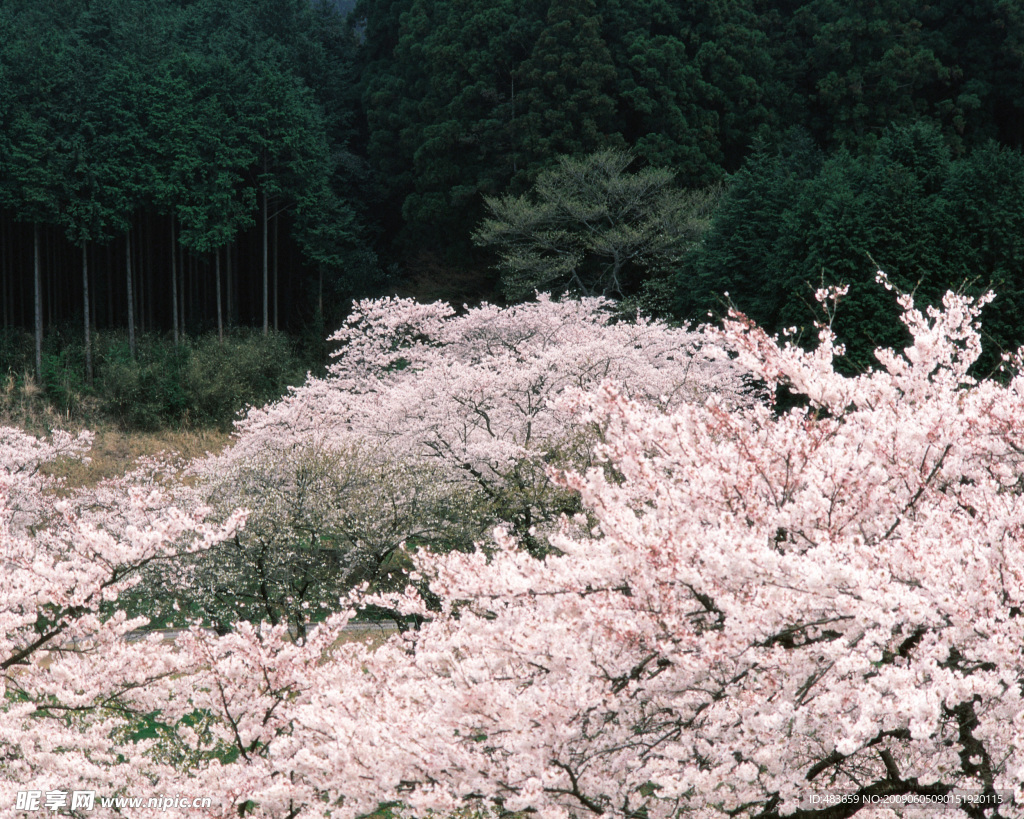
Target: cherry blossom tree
(21, 459)
(429, 426)
(750, 608)
(322, 518)
(74, 690)
(476, 393)
(755, 606)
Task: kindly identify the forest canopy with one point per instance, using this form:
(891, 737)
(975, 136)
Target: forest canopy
(180, 167)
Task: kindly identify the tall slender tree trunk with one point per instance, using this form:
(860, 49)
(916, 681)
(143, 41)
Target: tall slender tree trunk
(277, 255)
(195, 305)
(220, 312)
(174, 287)
(181, 286)
(266, 304)
(92, 304)
(512, 120)
(110, 284)
(86, 313)
(38, 282)
(229, 282)
(131, 293)
(5, 296)
(51, 265)
(140, 265)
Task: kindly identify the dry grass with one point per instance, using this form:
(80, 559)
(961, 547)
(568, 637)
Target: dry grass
(114, 452)
(23, 404)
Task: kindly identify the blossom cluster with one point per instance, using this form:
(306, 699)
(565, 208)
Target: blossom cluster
(748, 606)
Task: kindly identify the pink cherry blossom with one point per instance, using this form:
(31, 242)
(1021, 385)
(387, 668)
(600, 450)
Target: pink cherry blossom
(746, 606)
(755, 606)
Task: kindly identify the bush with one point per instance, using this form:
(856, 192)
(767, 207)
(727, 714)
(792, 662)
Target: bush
(145, 392)
(63, 378)
(248, 369)
(200, 383)
(15, 352)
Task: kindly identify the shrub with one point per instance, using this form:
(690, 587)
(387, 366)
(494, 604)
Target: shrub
(15, 351)
(250, 369)
(200, 383)
(63, 378)
(144, 392)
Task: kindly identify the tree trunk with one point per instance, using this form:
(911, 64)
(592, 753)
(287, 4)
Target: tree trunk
(512, 121)
(277, 255)
(195, 305)
(229, 281)
(5, 296)
(140, 279)
(174, 287)
(266, 304)
(38, 282)
(142, 266)
(86, 312)
(51, 265)
(131, 294)
(181, 287)
(110, 285)
(92, 304)
(220, 312)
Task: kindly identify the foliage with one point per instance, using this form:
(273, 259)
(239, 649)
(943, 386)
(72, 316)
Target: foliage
(201, 383)
(752, 607)
(324, 519)
(189, 123)
(765, 606)
(887, 71)
(428, 427)
(460, 101)
(983, 196)
(474, 393)
(569, 69)
(591, 227)
(794, 219)
(63, 380)
(698, 83)
(143, 391)
(117, 112)
(220, 379)
(15, 352)
(72, 686)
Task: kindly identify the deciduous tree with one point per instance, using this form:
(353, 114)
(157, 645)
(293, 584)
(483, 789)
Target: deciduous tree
(751, 607)
(757, 607)
(428, 427)
(74, 690)
(590, 226)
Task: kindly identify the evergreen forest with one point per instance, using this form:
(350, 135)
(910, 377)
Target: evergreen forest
(170, 168)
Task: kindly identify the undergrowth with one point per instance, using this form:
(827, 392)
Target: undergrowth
(199, 384)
